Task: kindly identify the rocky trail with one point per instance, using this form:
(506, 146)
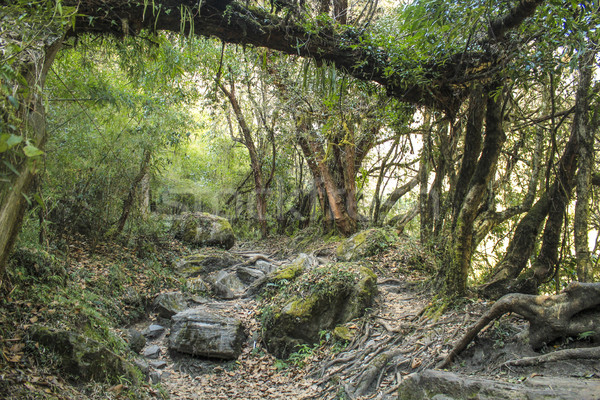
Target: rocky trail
(217, 329)
(392, 350)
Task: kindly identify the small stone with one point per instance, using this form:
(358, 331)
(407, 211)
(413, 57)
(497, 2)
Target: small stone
(152, 351)
(158, 364)
(265, 267)
(165, 375)
(136, 340)
(154, 377)
(142, 365)
(153, 331)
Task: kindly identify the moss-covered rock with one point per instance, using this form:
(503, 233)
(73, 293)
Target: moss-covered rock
(205, 262)
(203, 229)
(84, 358)
(294, 269)
(320, 299)
(365, 244)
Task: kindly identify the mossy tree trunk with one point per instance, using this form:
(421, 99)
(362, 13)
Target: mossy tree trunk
(31, 113)
(585, 132)
(508, 275)
(456, 270)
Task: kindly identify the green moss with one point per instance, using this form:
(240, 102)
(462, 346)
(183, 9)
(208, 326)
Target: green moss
(289, 273)
(343, 333)
(320, 299)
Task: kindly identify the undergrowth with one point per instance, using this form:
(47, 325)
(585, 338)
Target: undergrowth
(88, 288)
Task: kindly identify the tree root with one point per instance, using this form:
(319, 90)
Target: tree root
(589, 353)
(574, 311)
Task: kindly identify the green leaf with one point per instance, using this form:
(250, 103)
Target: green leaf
(32, 151)
(13, 101)
(14, 140)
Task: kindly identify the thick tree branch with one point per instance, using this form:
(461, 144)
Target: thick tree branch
(234, 23)
(512, 19)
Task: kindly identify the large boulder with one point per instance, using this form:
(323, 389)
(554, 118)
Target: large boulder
(365, 244)
(209, 260)
(203, 229)
(431, 384)
(201, 332)
(85, 358)
(319, 299)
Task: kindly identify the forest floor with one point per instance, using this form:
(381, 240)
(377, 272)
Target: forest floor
(404, 332)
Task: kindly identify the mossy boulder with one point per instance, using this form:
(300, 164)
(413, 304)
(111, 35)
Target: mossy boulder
(319, 299)
(203, 229)
(365, 244)
(84, 358)
(205, 262)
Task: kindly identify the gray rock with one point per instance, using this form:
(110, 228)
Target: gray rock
(154, 377)
(204, 229)
(430, 384)
(266, 267)
(201, 332)
(169, 304)
(226, 284)
(153, 331)
(248, 275)
(136, 340)
(142, 365)
(205, 262)
(158, 364)
(197, 285)
(152, 351)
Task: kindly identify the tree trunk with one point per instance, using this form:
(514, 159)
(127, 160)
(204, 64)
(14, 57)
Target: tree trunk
(31, 111)
(471, 151)
(505, 276)
(456, 270)
(255, 164)
(395, 196)
(585, 136)
(334, 179)
(424, 211)
(128, 204)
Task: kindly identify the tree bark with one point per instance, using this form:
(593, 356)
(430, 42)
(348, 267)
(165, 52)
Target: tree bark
(586, 163)
(31, 111)
(456, 270)
(471, 149)
(255, 164)
(552, 203)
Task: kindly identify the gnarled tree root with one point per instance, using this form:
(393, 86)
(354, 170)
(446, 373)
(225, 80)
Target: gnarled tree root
(573, 311)
(589, 353)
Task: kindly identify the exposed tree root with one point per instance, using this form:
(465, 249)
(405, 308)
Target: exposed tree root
(589, 353)
(574, 311)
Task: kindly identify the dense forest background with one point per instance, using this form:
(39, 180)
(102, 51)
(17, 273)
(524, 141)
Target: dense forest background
(470, 127)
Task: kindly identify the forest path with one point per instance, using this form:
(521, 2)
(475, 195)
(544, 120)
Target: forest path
(406, 331)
